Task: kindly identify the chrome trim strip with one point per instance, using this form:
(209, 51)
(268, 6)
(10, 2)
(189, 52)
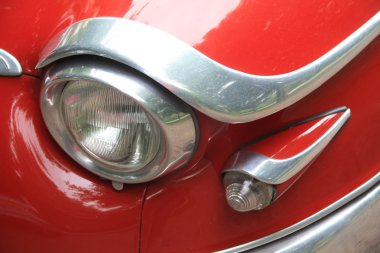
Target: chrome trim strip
(277, 171)
(353, 228)
(174, 118)
(306, 222)
(9, 65)
(216, 90)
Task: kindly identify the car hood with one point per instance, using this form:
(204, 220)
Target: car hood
(260, 37)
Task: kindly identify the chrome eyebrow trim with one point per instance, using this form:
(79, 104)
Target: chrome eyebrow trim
(306, 222)
(216, 90)
(9, 65)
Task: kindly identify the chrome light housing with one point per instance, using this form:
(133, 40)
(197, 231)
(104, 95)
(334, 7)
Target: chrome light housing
(115, 121)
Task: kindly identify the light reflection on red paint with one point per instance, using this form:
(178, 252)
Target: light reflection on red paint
(44, 194)
(162, 15)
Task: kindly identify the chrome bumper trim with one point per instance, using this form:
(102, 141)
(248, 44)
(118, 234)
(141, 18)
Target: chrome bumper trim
(347, 229)
(216, 90)
(353, 228)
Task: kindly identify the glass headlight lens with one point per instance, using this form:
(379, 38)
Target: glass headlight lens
(109, 125)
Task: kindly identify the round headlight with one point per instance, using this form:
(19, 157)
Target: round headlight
(111, 126)
(115, 121)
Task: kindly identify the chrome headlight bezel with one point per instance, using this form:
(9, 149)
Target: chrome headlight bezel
(175, 119)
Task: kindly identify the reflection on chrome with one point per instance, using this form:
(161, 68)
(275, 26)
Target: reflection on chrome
(315, 217)
(216, 90)
(276, 171)
(173, 130)
(9, 65)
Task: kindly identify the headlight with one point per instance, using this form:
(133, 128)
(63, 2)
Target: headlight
(108, 124)
(115, 121)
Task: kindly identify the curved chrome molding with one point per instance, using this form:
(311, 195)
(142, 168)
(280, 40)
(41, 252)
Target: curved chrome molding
(306, 222)
(9, 65)
(277, 171)
(174, 118)
(353, 228)
(216, 90)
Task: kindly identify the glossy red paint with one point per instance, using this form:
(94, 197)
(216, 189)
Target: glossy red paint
(29, 25)
(189, 213)
(294, 140)
(261, 37)
(47, 202)
(184, 211)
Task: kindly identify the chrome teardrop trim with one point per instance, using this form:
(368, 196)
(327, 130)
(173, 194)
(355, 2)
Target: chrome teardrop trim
(277, 171)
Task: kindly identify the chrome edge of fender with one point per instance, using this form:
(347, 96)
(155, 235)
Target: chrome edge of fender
(9, 65)
(288, 236)
(277, 171)
(216, 90)
(353, 228)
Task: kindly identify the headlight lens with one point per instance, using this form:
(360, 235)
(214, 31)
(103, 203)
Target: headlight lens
(108, 124)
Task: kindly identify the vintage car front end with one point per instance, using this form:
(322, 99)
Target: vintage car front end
(190, 126)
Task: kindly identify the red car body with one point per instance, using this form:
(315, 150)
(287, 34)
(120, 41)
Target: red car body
(49, 203)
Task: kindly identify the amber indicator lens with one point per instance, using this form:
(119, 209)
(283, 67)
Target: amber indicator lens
(109, 125)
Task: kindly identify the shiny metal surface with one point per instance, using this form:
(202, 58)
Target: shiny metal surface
(118, 186)
(277, 171)
(218, 91)
(353, 228)
(174, 118)
(316, 217)
(9, 65)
